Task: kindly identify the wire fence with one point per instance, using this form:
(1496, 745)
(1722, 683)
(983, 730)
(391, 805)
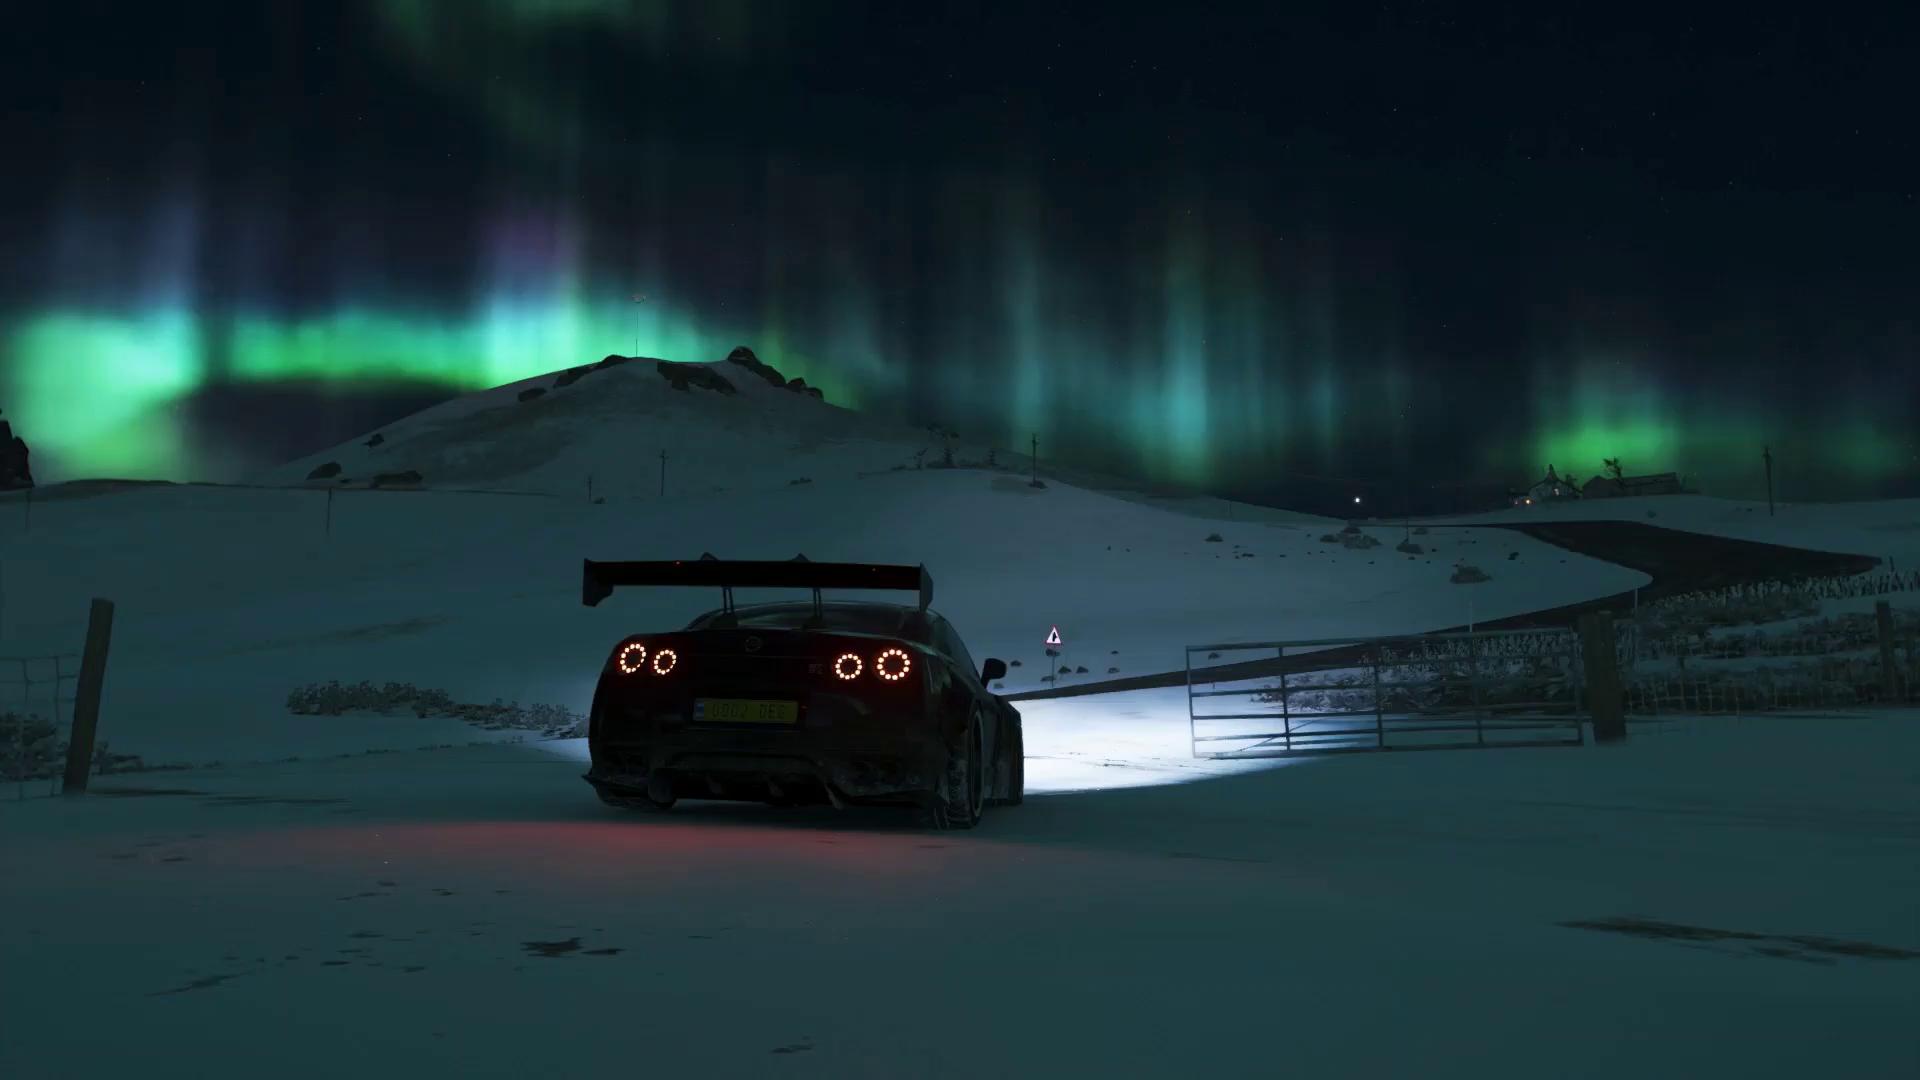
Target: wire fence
(36, 705)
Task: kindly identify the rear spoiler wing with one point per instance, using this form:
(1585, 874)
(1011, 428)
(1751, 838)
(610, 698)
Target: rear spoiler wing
(599, 579)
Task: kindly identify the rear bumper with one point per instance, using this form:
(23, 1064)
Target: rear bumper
(728, 764)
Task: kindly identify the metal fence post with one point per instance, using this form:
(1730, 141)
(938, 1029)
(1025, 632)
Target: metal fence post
(1473, 687)
(1602, 666)
(1286, 712)
(1379, 714)
(1883, 625)
(1193, 736)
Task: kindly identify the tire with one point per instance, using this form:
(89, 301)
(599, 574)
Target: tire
(1017, 768)
(962, 794)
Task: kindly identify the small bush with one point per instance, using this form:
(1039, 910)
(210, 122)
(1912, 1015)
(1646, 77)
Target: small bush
(1463, 574)
(1013, 663)
(1080, 670)
(532, 392)
(1420, 530)
(1113, 671)
(376, 440)
(801, 480)
(325, 472)
(1410, 548)
(1358, 541)
(1213, 538)
(334, 698)
(1065, 670)
(1330, 538)
(31, 749)
(1352, 527)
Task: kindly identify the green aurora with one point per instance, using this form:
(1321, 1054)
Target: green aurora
(101, 394)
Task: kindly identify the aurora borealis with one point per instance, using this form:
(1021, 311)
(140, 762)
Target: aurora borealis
(1271, 256)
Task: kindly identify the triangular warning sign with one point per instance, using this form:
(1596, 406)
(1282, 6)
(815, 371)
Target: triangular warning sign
(1053, 636)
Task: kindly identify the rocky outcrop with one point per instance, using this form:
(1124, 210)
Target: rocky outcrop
(683, 376)
(575, 374)
(404, 479)
(15, 470)
(744, 357)
(325, 472)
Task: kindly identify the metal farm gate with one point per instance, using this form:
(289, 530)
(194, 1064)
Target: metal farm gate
(1418, 692)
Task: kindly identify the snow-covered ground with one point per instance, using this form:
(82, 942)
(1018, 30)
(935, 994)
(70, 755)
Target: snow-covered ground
(227, 598)
(467, 913)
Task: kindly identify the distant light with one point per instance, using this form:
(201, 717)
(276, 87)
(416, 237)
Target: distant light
(1356, 499)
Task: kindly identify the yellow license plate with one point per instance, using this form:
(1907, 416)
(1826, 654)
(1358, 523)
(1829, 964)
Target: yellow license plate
(737, 711)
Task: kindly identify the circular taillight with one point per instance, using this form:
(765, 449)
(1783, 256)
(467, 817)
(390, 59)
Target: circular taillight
(847, 666)
(664, 660)
(892, 665)
(631, 658)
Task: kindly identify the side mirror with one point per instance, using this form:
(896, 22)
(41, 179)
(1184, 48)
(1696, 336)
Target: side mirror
(993, 669)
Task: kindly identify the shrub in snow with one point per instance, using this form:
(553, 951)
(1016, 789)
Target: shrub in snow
(334, 698)
(1080, 671)
(1113, 671)
(1352, 527)
(1420, 530)
(801, 480)
(1213, 538)
(1650, 514)
(1464, 574)
(1358, 541)
(31, 749)
(1410, 548)
(376, 440)
(325, 472)
(532, 392)
(1065, 670)
(1013, 663)
(404, 478)
(1330, 538)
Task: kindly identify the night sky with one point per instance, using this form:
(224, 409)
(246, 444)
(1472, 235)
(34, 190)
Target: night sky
(1354, 245)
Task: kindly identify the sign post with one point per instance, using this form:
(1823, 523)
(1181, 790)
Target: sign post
(1053, 653)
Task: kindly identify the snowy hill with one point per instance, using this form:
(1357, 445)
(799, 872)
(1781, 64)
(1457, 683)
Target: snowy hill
(229, 597)
(724, 426)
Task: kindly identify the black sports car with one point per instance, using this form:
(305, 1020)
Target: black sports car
(797, 703)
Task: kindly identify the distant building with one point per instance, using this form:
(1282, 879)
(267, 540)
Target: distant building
(1608, 487)
(1549, 488)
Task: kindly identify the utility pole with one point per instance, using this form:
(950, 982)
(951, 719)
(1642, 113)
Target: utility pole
(638, 299)
(1035, 458)
(1766, 455)
(663, 474)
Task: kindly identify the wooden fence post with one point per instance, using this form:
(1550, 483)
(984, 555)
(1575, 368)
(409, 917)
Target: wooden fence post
(86, 696)
(1602, 664)
(1889, 672)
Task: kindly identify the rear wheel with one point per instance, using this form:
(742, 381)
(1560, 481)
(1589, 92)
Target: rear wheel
(1016, 768)
(962, 793)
